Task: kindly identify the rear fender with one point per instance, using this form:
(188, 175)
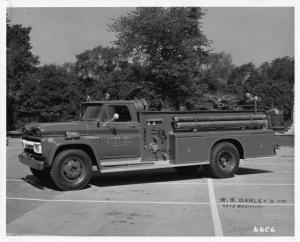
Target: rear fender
(238, 144)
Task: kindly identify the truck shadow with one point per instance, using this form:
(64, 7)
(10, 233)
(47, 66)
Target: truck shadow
(159, 175)
(138, 177)
(40, 184)
(249, 171)
(43, 184)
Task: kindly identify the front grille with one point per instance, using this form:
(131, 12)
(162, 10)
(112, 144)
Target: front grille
(30, 151)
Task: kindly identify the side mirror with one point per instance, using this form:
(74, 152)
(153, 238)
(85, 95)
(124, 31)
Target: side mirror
(115, 117)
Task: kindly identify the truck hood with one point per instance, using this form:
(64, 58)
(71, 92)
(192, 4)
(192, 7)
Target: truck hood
(56, 128)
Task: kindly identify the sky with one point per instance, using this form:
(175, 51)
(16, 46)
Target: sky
(249, 34)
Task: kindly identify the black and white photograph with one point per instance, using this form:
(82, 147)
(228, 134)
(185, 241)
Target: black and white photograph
(150, 121)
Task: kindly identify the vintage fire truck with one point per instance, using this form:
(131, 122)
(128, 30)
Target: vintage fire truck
(123, 135)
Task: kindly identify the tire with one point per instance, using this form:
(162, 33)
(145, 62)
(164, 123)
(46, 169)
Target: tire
(41, 174)
(224, 160)
(186, 169)
(71, 170)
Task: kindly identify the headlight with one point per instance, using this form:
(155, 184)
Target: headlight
(37, 148)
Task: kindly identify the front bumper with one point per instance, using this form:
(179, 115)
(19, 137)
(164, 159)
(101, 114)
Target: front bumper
(29, 160)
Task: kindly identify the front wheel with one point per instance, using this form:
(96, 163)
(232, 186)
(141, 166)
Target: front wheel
(72, 170)
(224, 160)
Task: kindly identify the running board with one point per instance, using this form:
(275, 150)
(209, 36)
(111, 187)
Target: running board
(258, 158)
(121, 162)
(147, 165)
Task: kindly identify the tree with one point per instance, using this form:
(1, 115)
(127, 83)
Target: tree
(216, 71)
(96, 62)
(239, 75)
(274, 83)
(169, 42)
(106, 70)
(20, 60)
(48, 95)
(94, 68)
(219, 66)
(20, 64)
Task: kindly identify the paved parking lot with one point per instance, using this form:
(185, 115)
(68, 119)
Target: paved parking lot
(258, 201)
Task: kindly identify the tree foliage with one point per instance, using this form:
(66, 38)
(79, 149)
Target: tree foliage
(160, 55)
(274, 83)
(20, 64)
(20, 60)
(49, 95)
(106, 70)
(98, 62)
(216, 71)
(169, 42)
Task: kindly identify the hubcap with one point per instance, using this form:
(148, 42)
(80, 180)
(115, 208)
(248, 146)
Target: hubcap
(226, 160)
(72, 169)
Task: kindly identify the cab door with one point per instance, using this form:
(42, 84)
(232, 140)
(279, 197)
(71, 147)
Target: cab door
(122, 138)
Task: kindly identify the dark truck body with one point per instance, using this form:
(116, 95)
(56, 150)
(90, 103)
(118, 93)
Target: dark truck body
(148, 139)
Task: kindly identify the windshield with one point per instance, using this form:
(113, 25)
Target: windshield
(93, 113)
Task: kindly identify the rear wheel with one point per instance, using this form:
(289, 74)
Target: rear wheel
(41, 174)
(224, 160)
(71, 170)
